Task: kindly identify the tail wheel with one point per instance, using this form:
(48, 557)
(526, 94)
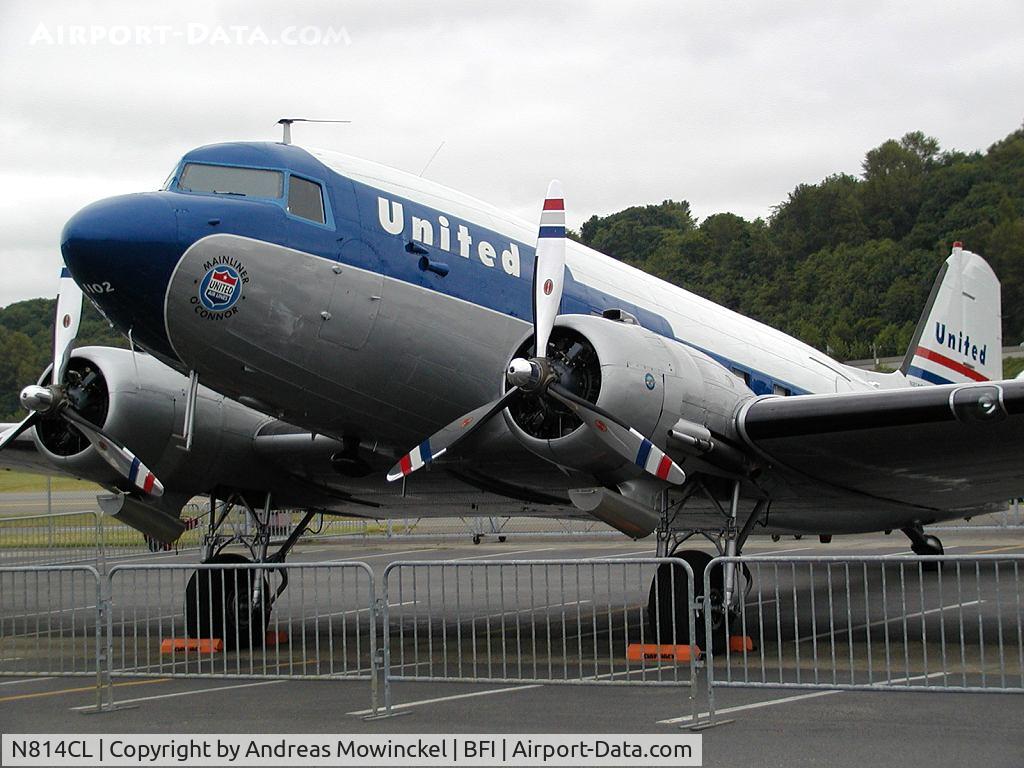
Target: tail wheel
(668, 604)
(221, 603)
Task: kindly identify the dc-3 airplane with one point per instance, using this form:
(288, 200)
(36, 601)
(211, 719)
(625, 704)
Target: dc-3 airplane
(338, 312)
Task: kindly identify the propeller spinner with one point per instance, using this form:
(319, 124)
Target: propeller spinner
(53, 401)
(536, 376)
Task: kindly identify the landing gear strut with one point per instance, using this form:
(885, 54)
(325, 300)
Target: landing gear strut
(230, 603)
(922, 543)
(668, 603)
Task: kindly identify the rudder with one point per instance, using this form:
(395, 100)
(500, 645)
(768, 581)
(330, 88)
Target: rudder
(959, 337)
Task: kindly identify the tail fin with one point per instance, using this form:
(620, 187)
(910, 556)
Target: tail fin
(959, 338)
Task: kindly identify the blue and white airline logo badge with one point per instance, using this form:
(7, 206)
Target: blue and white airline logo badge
(649, 381)
(220, 289)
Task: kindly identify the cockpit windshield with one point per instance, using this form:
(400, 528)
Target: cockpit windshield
(231, 180)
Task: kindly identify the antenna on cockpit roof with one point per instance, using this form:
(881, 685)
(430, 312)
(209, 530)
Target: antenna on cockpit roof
(287, 123)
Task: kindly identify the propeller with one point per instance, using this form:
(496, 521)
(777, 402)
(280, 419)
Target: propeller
(52, 401)
(536, 376)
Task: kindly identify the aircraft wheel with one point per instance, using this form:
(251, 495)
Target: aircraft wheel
(219, 604)
(928, 545)
(667, 605)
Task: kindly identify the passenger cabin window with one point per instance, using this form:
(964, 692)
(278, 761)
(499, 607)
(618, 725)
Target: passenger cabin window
(778, 389)
(306, 200)
(227, 180)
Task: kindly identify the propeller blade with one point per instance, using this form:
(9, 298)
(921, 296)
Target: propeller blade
(117, 456)
(621, 438)
(439, 443)
(9, 436)
(548, 268)
(65, 327)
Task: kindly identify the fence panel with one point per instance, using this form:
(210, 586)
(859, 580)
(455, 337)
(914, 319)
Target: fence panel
(321, 626)
(50, 621)
(66, 537)
(540, 621)
(872, 623)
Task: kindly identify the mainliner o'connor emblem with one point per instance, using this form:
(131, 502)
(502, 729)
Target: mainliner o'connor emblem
(220, 288)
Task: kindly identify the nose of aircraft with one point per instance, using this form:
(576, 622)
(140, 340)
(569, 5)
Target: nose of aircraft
(124, 224)
(122, 251)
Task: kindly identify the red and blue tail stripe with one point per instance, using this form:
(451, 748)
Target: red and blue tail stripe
(947, 363)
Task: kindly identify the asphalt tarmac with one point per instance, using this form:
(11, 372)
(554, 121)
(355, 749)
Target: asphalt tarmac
(784, 727)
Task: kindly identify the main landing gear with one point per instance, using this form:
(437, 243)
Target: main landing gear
(232, 603)
(716, 602)
(922, 543)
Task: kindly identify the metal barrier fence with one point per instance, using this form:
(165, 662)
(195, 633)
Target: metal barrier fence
(871, 623)
(537, 621)
(77, 537)
(55, 538)
(1010, 518)
(475, 527)
(953, 623)
(323, 625)
(51, 622)
(88, 535)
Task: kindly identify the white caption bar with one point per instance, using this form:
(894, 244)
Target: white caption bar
(157, 749)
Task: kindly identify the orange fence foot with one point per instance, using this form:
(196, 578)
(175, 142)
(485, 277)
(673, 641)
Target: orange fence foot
(740, 643)
(276, 638)
(653, 652)
(204, 645)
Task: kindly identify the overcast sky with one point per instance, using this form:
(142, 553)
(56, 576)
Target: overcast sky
(727, 105)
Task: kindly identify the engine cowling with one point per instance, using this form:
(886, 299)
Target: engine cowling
(141, 402)
(645, 379)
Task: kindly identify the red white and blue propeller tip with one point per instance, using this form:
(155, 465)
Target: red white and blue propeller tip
(552, 217)
(654, 460)
(140, 476)
(415, 459)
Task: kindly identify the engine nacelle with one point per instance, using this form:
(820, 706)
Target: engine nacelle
(646, 380)
(141, 402)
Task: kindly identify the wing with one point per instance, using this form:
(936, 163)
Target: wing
(511, 481)
(943, 448)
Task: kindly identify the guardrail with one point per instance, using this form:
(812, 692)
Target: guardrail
(539, 621)
(950, 623)
(321, 626)
(953, 623)
(51, 622)
(1011, 518)
(78, 537)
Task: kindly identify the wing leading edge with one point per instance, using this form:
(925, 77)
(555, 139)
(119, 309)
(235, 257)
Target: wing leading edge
(944, 448)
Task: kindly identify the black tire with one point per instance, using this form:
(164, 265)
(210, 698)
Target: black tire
(930, 545)
(218, 604)
(667, 608)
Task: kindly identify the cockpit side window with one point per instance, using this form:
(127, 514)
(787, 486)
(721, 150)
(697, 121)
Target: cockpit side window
(229, 180)
(169, 181)
(305, 199)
